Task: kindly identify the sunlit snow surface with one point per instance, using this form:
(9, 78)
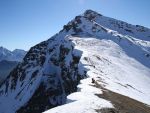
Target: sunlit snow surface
(113, 68)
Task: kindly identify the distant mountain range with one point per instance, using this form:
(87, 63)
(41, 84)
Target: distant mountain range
(16, 55)
(8, 60)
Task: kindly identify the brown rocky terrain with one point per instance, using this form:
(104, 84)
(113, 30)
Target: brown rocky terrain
(121, 103)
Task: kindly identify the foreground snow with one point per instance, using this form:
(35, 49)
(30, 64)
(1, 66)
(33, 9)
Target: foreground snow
(83, 101)
(113, 68)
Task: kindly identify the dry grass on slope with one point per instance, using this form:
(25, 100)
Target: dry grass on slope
(122, 104)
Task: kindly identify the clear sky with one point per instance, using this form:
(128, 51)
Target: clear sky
(24, 23)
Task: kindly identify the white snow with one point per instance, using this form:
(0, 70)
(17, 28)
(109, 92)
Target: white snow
(111, 66)
(83, 101)
(115, 58)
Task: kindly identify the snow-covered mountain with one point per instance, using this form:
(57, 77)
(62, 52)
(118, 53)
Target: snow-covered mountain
(112, 54)
(16, 55)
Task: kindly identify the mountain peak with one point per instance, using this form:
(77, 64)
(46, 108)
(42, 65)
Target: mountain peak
(19, 50)
(91, 14)
(79, 23)
(88, 11)
(92, 43)
(16, 55)
(2, 48)
(4, 51)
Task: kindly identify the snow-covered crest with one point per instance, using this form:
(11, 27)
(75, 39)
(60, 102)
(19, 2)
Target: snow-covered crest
(114, 53)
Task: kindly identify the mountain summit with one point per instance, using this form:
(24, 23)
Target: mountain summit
(112, 54)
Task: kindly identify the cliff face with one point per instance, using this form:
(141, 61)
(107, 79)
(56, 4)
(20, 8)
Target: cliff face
(47, 74)
(59, 75)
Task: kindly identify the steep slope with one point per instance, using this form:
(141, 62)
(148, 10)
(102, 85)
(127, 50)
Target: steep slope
(52, 69)
(5, 68)
(137, 31)
(116, 62)
(112, 69)
(48, 73)
(16, 55)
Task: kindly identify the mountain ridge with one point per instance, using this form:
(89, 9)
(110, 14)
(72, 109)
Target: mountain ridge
(52, 69)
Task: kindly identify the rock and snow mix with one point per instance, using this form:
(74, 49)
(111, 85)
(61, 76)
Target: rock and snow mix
(115, 54)
(116, 61)
(113, 69)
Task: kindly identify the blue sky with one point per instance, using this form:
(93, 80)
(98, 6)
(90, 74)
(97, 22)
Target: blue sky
(24, 23)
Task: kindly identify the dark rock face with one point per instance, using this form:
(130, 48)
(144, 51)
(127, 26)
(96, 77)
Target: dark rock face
(91, 14)
(40, 100)
(56, 85)
(47, 74)
(50, 70)
(74, 25)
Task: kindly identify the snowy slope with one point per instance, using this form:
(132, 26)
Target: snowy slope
(117, 60)
(87, 47)
(137, 31)
(16, 55)
(48, 73)
(113, 69)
